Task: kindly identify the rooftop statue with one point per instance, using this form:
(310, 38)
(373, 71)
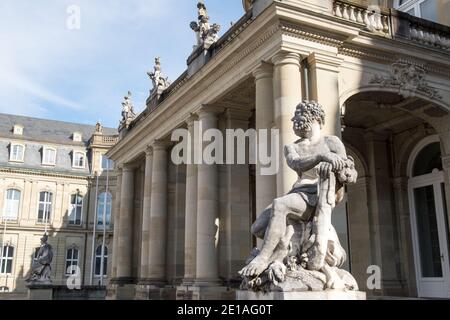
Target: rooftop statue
(128, 113)
(301, 249)
(40, 268)
(160, 82)
(247, 4)
(206, 33)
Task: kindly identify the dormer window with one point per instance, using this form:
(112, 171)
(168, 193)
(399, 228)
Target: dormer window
(49, 156)
(79, 159)
(18, 130)
(17, 153)
(77, 137)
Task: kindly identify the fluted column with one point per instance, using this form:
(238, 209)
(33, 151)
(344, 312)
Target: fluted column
(287, 95)
(125, 241)
(145, 238)
(207, 211)
(158, 214)
(115, 249)
(190, 244)
(266, 185)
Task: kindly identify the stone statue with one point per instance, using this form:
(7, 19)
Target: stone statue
(40, 268)
(301, 250)
(247, 4)
(206, 33)
(128, 114)
(160, 82)
(98, 128)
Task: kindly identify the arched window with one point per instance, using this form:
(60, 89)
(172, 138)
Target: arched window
(12, 204)
(72, 261)
(98, 261)
(45, 206)
(104, 208)
(6, 261)
(75, 209)
(427, 160)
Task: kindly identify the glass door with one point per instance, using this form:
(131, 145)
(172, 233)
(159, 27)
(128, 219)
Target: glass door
(430, 235)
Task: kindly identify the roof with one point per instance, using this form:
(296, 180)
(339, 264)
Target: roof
(36, 129)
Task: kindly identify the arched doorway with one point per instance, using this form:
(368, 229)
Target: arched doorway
(383, 128)
(426, 190)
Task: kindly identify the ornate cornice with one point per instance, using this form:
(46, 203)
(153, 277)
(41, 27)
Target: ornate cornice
(301, 32)
(43, 173)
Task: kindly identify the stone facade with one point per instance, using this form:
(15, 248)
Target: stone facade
(183, 230)
(36, 172)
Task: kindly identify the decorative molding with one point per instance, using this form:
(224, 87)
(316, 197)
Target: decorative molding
(40, 173)
(409, 78)
(301, 33)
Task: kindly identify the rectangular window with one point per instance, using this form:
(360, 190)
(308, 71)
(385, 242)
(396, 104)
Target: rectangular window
(17, 152)
(107, 164)
(72, 261)
(12, 204)
(6, 260)
(45, 207)
(78, 160)
(75, 209)
(426, 9)
(49, 157)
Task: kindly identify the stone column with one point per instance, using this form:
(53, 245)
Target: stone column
(145, 238)
(125, 241)
(381, 212)
(324, 85)
(116, 222)
(207, 212)
(266, 185)
(190, 244)
(158, 215)
(287, 95)
(236, 220)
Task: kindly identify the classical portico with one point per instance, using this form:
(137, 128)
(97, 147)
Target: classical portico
(183, 230)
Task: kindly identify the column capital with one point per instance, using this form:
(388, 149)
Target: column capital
(263, 71)
(127, 168)
(208, 112)
(286, 57)
(158, 145)
(238, 114)
(190, 120)
(326, 62)
(149, 151)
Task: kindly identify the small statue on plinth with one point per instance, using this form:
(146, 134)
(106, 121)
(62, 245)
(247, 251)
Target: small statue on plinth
(160, 81)
(301, 249)
(41, 267)
(206, 33)
(128, 114)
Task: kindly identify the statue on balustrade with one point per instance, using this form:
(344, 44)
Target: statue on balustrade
(41, 267)
(206, 33)
(301, 249)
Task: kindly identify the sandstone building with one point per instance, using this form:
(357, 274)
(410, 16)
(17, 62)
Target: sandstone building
(48, 183)
(383, 75)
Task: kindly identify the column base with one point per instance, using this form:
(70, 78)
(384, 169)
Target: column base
(121, 289)
(154, 290)
(304, 295)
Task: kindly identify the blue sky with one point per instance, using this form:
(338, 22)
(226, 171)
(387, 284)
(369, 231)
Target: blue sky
(50, 71)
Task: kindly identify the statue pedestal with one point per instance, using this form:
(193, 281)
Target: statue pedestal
(302, 295)
(40, 292)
